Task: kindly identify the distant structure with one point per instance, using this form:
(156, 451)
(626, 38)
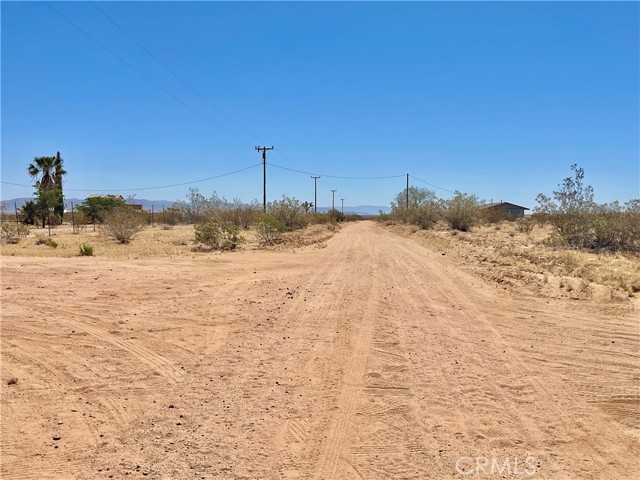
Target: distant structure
(509, 210)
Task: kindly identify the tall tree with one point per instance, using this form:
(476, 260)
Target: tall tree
(48, 172)
(58, 173)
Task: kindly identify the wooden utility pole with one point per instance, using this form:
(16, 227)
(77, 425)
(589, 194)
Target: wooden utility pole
(407, 191)
(333, 199)
(73, 220)
(315, 193)
(15, 207)
(264, 175)
(342, 200)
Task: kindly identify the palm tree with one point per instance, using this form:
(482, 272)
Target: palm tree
(48, 172)
(43, 169)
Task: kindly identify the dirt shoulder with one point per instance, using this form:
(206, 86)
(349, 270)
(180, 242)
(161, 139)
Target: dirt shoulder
(523, 262)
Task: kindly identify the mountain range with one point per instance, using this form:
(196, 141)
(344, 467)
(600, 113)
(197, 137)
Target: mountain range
(10, 205)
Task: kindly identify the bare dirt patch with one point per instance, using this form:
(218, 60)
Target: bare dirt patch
(371, 358)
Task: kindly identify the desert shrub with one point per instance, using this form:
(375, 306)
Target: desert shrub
(80, 221)
(601, 229)
(166, 226)
(269, 228)
(86, 250)
(524, 225)
(218, 234)
(49, 242)
(290, 211)
(123, 223)
(335, 216)
(425, 216)
(491, 215)
(461, 212)
(540, 219)
(170, 217)
(12, 232)
(580, 222)
(239, 214)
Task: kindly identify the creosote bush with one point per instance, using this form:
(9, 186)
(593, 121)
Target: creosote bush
(122, 223)
(461, 212)
(217, 234)
(580, 222)
(290, 211)
(269, 228)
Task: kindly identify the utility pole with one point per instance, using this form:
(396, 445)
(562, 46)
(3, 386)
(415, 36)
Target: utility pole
(342, 200)
(333, 199)
(73, 220)
(315, 193)
(264, 175)
(15, 208)
(407, 191)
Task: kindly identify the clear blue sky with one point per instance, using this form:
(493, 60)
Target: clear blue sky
(497, 99)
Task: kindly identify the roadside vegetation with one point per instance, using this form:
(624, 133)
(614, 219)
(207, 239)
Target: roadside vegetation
(570, 246)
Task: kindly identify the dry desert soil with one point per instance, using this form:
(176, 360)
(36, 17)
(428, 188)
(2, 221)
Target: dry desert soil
(372, 358)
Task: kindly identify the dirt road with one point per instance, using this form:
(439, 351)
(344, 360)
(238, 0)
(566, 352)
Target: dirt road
(372, 358)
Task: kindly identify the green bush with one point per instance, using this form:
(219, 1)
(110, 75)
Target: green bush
(461, 212)
(424, 216)
(335, 216)
(290, 211)
(123, 223)
(269, 228)
(218, 234)
(97, 208)
(86, 250)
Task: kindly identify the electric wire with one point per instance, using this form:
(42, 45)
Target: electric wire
(146, 188)
(171, 72)
(431, 184)
(334, 176)
(141, 74)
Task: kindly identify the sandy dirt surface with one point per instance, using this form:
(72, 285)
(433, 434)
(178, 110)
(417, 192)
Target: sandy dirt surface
(372, 358)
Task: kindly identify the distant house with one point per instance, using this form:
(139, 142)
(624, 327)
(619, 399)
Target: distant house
(135, 206)
(509, 210)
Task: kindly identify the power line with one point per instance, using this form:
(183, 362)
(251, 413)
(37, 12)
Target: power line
(334, 176)
(431, 184)
(175, 75)
(134, 69)
(145, 188)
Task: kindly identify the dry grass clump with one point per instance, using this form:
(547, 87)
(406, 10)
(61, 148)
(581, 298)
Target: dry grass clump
(12, 232)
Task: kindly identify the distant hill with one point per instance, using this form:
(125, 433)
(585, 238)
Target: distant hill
(158, 204)
(360, 209)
